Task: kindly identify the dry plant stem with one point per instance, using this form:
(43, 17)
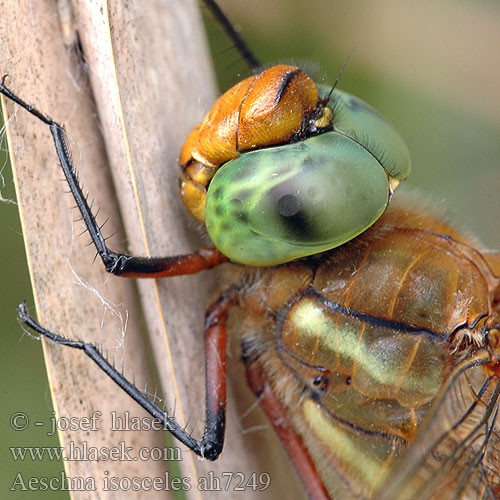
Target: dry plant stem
(42, 70)
(151, 82)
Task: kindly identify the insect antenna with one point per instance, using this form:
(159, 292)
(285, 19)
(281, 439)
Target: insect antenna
(340, 74)
(236, 38)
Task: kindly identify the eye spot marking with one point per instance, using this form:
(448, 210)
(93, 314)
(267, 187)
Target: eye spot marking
(241, 216)
(218, 194)
(288, 205)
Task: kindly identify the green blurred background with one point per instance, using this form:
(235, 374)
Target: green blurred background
(431, 67)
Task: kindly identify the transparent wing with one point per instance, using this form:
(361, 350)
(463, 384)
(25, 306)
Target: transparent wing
(457, 451)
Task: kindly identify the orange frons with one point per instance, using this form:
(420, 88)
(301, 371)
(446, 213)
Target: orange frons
(263, 110)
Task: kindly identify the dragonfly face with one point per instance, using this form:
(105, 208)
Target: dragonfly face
(280, 168)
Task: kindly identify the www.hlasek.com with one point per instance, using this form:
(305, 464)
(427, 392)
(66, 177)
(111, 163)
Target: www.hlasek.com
(83, 452)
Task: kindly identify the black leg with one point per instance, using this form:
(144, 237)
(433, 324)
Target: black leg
(118, 264)
(210, 445)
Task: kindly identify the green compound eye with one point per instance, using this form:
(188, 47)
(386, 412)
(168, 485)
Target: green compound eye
(358, 120)
(278, 204)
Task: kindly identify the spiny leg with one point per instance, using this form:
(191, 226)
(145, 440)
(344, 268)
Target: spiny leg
(118, 264)
(288, 435)
(212, 441)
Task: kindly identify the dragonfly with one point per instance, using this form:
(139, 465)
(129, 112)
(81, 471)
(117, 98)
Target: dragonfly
(387, 385)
